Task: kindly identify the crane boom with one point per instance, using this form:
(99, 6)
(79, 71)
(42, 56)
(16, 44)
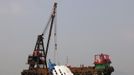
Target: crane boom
(50, 31)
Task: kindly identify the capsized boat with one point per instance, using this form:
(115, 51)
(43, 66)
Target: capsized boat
(58, 69)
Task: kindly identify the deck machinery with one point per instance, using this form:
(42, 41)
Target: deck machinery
(38, 60)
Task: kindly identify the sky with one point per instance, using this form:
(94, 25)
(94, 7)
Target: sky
(84, 28)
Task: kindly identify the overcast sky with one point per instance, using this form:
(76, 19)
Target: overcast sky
(84, 28)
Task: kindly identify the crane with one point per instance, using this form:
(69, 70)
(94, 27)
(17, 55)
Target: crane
(39, 57)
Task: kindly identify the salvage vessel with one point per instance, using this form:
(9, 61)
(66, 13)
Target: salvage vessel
(38, 64)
